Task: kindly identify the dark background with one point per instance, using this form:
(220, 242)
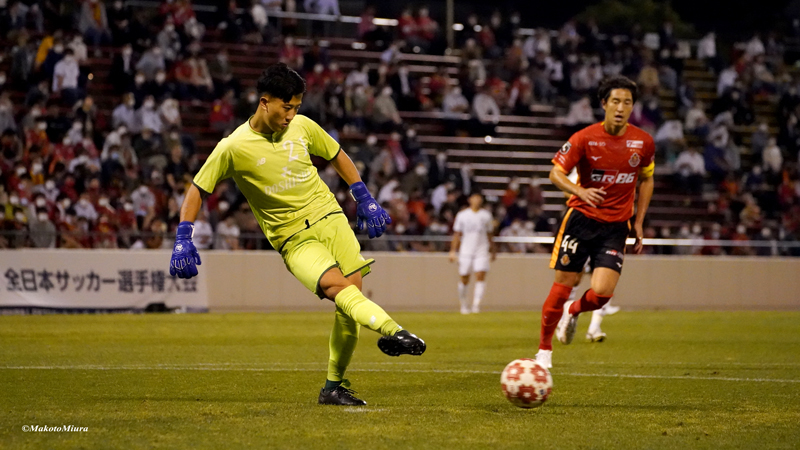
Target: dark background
(728, 17)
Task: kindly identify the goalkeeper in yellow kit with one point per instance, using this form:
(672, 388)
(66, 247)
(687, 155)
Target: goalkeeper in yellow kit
(269, 158)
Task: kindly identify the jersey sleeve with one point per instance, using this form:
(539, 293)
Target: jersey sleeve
(570, 153)
(458, 225)
(218, 166)
(649, 163)
(489, 223)
(320, 142)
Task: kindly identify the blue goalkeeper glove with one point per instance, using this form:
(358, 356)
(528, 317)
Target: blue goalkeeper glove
(369, 211)
(185, 258)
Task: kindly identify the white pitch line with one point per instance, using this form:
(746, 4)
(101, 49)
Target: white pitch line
(453, 371)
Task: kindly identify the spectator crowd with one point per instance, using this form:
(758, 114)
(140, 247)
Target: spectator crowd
(79, 172)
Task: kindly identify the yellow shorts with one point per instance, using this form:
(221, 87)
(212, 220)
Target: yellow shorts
(324, 245)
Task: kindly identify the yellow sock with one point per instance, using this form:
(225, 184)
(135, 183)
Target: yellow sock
(365, 312)
(344, 338)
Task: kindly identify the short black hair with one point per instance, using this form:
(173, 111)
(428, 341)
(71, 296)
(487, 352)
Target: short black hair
(616, 82)
(279, 80)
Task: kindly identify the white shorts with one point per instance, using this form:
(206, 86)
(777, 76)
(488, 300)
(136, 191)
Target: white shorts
(472, 263)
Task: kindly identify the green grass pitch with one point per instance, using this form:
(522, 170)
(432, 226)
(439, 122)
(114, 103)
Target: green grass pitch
(222, 381)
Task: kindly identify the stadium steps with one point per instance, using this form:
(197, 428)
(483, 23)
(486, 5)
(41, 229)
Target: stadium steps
(522, 149)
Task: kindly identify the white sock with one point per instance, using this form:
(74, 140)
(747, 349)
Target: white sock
(572, 294)
(480, 286)
(462, 295)
(597, 319)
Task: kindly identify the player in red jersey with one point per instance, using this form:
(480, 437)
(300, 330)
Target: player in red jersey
(610, 157)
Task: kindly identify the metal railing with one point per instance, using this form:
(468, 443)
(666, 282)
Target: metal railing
(26, 238)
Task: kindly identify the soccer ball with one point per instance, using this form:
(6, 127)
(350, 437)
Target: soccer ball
(526, 383)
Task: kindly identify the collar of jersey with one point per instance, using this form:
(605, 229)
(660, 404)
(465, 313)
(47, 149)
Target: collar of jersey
(602, 124)
(271, 136)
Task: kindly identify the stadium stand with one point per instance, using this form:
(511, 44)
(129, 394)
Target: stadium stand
(105, 121)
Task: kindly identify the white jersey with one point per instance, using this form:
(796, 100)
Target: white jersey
(474, 228)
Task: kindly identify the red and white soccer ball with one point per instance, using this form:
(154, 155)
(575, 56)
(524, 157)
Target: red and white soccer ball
(526, 383)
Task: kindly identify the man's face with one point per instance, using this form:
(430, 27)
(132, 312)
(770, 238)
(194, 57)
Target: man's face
(475, 201)
(618, 107)
(280, 113)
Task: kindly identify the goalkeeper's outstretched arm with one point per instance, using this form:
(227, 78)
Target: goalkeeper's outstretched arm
(191, 204)
(345, 168)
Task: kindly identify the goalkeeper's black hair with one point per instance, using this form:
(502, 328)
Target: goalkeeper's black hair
(278, 80)
(617, 82)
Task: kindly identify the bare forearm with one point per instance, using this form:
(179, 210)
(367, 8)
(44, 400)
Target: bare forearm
(191, 204)
(345, 168)
(645, 194)
(561, 181)
(456, 242)
(492, 246)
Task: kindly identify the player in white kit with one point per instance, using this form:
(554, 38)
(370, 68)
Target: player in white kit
(474, 247)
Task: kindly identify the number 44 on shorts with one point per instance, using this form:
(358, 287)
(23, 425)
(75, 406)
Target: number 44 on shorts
(569, 245)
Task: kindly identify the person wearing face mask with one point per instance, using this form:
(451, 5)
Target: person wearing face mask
(412, 147)
(291, 55)
(170, 113)
(79, 48)
(151, 62)
(147, 116)
(454, 106)
(18, 224)
(358, 77)
(317, 78)
(144, 203)
(203, 235)
(124, 114)
(65, 78)
(300, 217)
(439, 173)
(50, 191)
(169, 41)
(246, 105)
(42, 230)
(385, 114)
(415, 180)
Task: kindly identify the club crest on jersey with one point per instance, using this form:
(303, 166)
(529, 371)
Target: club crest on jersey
(635, 144)
(565, 148)
(635, 160)
(565, 260)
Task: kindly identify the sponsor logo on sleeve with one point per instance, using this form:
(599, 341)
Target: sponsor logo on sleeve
(565, 148)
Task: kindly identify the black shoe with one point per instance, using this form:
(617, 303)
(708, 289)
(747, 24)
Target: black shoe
(340, 396)
(402, 343)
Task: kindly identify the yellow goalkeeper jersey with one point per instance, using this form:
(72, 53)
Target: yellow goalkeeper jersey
(275, 174)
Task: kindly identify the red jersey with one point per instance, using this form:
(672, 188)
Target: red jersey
(609, 162)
